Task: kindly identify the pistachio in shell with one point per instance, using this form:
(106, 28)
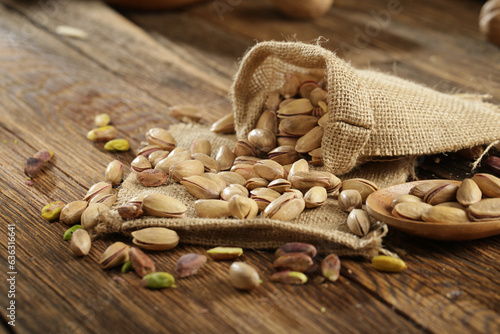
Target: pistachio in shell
(155, 238)
(315, 197)
(212, 208)
(159, 205)
(243, 207)
(201, 187)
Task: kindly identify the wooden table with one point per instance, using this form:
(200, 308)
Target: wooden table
(134, 65)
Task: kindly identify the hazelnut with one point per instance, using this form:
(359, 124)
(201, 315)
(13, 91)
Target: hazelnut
(489, 21)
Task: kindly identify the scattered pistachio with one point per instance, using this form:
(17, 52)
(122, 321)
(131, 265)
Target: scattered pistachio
(114, 255)
(120, 145)
(289, 277)
(126, 267)
(224, 253)
(293, 261)
(189, 264)
(69, 232)
(141, 263)
(52, 210)
(388, 263)
(155, 238)
(80, 242)
(158, 280)
(330, 267)
(72, 212)
(102, 120)
(114, 173)
(296, 247)
(103, 134)
(243, 276)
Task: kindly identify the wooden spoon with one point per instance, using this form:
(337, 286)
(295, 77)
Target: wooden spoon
(378, 204)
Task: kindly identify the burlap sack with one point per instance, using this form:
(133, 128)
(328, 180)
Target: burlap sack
(324, 227)
(371, 114)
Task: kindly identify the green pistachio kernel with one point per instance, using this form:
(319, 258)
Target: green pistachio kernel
(52, 210)
(158, 280)
(127, 266)
(121, 145)
(69, 232)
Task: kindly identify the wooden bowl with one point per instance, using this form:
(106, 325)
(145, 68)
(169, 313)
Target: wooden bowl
(378, 204)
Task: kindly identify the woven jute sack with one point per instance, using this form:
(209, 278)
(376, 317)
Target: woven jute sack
(324, 227)
(371, 114)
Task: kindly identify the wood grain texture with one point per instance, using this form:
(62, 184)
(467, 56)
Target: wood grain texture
(135, 65)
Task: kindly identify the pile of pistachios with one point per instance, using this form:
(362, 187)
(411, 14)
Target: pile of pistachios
(473, 200)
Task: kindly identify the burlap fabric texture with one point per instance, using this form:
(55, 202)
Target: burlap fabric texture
(324, 227)
(371, 114)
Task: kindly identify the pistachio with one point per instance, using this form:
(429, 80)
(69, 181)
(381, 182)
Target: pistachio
(157, 156)
(364, 187)
(306, 180)
(289, 277)
(256, 182)
(243, 207)
(80, 242)
(405, 198)
(162, 138)
(280, 185)
(298, 166)
(201, 187)
(106, 199)
(44, 155)
(140, 164)
(225, 157)
(102, 120)
(493, 164)
(310, 140)
(178, 150)
(444, 214)
(141, 263)
(262, 139)
(314, 197)
(210, 164)
(172, 159)
(453, 205)
(187, 168)
(306, 87)
(349, 200)
(273, 100)
(317, 94)
(283, 139)
(69, 232)
(189, 264)
(126, 267)
(130, 211)
(323, 121)
(92, 215)
(263, 197)
(284, 102)
(224, 253)
(296, 247)
(244, 147)
(293, 261)
(269, 170)
(120, 145)
(487, 209)
(489, 184)
(297, 192)
(268, 121)
(442, 193)
(290, 87)
(33, 166)
(297, 125)
(102, 134)
(114, 255)
(411, 210)
(388, 263)
(420, 190)
(152, 177)
(72, 212)
(243, 276)
(246, 160)
(185, 113)
(52, 210)
(284, 155)
(158, 280)
(232, 190)
(224, 125)
(233, 178)
(201, 146)
(330, 267)
(114, 173)
(358, 222)
(98, 188)
(219, 180)
(155, 238)
(245, 170)
(285, 208)
(212, 208)
(148, 150)
(295, 108)
(316, 157)
(163, 206)
(468, 192)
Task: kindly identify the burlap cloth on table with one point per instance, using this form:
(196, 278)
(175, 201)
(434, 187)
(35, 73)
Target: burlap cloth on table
(324, 227)
(371, 116)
